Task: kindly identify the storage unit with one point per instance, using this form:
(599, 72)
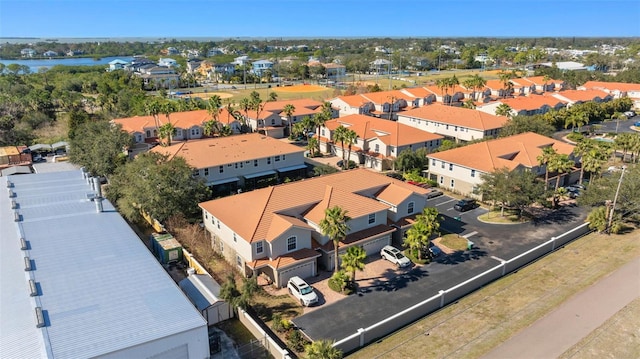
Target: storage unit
(166, 248)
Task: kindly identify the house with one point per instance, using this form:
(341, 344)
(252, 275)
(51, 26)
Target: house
(158, 76)
(188, 125)
(272, 120)
(171, 51)
(14, 156)
(458, 123)
(379, 141)
(261, 66)
(167, 62)
(380, 66)
(117, 64)
(73, 268)
(524, 105)
(335, 72)
(572, 97)
(28, 52)
(275, 231)
(74, 52)
(424, 96)
(453, 96)
(353, 104)
(498, 88)
(246, 161)
(538, 84)
(616, 89)
(50, 53)
(459, 170)
(383, 104)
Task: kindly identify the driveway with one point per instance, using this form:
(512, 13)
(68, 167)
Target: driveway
(390, 290)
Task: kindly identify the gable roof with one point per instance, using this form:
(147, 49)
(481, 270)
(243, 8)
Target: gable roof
(302, 107)
(382, 97)
(511, 152)
(580, 95)
(389, 132)
(184, 120)
(611, 86)
(353, 100)
(251, 214)
(457, 116)
(211, 152)
(531, 102)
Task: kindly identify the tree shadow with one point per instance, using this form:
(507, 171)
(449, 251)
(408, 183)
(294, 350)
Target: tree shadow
(458, 257)
(557, 216)
(395, 280)
(455, 224)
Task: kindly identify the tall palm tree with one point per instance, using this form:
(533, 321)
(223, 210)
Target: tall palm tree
(334, 225)
(288, 110)
(154, 108)
(167, 108)
(562, 164)
(322, 349)
(581, 150)
(339, 135)
(452, 82)
(350, 137)
(478, 84)
(214, 106)
(503, 110)
(593, 161)
(319, 119)
(245, 105)
(505, 78)
(547, 155)
(444, 88)
(353, 260)
(212, 127)
(427, 223)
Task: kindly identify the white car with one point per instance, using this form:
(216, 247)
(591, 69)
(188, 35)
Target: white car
(395, 256)
(302, 291)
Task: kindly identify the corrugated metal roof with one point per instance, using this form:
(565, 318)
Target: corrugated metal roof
(97, 280)
(201, 289)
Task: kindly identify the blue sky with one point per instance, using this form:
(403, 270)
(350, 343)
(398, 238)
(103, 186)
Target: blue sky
(318, 18)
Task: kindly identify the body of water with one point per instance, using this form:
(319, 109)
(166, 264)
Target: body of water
(36, 64)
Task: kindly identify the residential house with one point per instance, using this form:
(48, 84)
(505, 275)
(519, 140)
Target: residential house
(214, 51)
(424, 96)
(379, 141)
(171, 51)
(193, 65)
(497, 89)
(453, 96)
(275, 231)
(458, 123)
(167, 62)
(28, 52)
(524, 105)
(246, 161)
(335, 72)
(74, 52)
(572, 97)
(188, 125)
(460, 169)
(241, 60)
(383, 104)
(50, 53)
(117, 64)
(380, 66)
(158, 76)
(353, 104)
(261, 66)
(616, 89)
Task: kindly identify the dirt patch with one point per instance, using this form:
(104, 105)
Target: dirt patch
(300, 88)
(207, 95)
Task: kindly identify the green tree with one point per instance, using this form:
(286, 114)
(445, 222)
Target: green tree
(322, 349)
(334, 225)
(214, 106)
(598, 218)
(350, 137)
(288, 111)
(166, 132)
(544, 159)
(99, 147)
(427, 224)
(503, 110)
(522, 124)
(159, 186)
(353, 260)
(339, 136)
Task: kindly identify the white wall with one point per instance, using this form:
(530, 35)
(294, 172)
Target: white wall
(238, 169)
(441, 128)
(195, 340)
(463, 181)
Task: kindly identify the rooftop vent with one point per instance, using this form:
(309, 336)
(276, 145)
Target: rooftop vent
(23, 244)
(14, 205)
(11, 194)
(39, 317)
(33, 288)
(91, 196)
(27, 264)
(16, 216)
(9, 184)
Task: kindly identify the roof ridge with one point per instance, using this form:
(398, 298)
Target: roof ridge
(262, 215)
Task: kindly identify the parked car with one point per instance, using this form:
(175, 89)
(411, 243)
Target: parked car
(637, 123)
(630, 114)
(434, 193)
(395, 256)
(302, 291)
(434, 250)
(465, 205)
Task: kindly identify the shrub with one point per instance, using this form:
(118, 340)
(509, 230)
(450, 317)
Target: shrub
(296, 341)
(575, 136)
(338, 281)
(277, 323)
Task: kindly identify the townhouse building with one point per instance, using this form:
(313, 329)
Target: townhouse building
(459, 123)
(616, 89)
(572, 97)
(379, 141)
(275, 231)
(460, 169)
(524, 105)
(243, 162)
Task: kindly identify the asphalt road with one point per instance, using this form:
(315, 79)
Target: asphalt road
(387, 297)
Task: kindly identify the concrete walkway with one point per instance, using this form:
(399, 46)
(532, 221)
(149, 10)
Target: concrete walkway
(554, 334)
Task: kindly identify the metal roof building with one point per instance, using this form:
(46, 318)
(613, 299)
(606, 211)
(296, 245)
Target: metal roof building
(77, 282)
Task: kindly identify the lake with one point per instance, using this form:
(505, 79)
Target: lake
(36, 64)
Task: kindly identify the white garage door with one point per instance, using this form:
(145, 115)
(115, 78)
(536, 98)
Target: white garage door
(303, 270)
(374, 246)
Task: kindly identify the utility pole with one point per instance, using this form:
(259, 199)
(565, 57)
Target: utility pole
(615, 199)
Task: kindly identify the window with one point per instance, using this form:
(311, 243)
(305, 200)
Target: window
(236, 165)
(273, 121)
(450, 166)
(259, 248)
(442, 165)
(377, 148)
(291, 243)
(455, 128)
(283, 157)
(433, 162)
(372, 218)
(218, 222)
(410, 207)
(255, 163)
(206, 171)
(441, 179)
(447, 127)
(235, 239)
(473, 173)
(221, 169)
(206, 215)
(195, 131)
(148, 133)
(239, 261)
(453, 184)
(268, 160)
(196, 173)
(277, 158)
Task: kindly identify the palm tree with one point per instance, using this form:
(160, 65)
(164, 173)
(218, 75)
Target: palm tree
(350, 138)
(452, 82)
(288, 110)
(334, 225)
(154, 108)
(505, 78)
(593, 160)
(427, 223)
(322, 349)
(503, 110)
(547, 155)
(478, 84)
(166, 131)
(167, 108)
(353, 260)
(443, 86)
(582, 149)
(214, 106)
(561, 164)
(245, 105)
(339, 136)
(212, 127)
(546, 79)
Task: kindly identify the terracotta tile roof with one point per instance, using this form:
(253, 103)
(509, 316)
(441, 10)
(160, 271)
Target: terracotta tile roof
(285, 260)
(250, 214)
(389, 132)
(184, 120)
(450, 91)
(382, 97)
(511, 152)
(531, 102)
(211, 152)
(353, 100)
(299, 104)
(539, 80)
(611, 86)
(394, 194)
(580, 95)
(495, 85)
(357, 205)
(420, 92)
(522, 81)
(281, 223)
(457, 116)
(354, 238)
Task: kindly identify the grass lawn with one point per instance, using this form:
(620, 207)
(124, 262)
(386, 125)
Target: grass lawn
(454, 242)
(488, 317)
(510, 216)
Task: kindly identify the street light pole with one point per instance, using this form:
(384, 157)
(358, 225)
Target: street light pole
(615, 199)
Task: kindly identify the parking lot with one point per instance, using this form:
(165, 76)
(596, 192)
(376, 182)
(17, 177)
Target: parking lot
(386, 290)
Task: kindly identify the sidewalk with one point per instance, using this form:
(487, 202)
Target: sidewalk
(554, 334)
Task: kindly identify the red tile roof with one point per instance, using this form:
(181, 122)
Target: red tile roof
(457, 116)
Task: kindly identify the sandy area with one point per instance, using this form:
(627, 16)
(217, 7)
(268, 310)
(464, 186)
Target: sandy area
(300, 88)
(206, 95)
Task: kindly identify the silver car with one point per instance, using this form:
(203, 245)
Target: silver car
(302, 291)
(395, 256)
